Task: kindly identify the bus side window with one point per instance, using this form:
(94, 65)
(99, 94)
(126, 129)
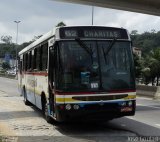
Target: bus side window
(23, 64)
(44, 56)
(26, 61)
(35, 59)
(29, 61)
(38, 59)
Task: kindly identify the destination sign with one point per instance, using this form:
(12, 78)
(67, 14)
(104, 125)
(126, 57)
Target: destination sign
(92, 32)
(70, 33)
(101, 34)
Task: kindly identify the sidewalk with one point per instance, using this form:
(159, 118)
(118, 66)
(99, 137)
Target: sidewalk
(4, 127)
(16, 119)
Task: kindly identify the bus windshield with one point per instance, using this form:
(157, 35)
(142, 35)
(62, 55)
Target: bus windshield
(90, 66)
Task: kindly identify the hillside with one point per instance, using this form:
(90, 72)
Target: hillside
(146, 41)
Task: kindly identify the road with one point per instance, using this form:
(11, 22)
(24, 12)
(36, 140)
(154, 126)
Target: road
(9, 86)
(26, 123)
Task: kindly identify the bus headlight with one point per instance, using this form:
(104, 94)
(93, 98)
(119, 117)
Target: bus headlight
(130, 103)
(123, 104)
(76, 107)
(68, 107)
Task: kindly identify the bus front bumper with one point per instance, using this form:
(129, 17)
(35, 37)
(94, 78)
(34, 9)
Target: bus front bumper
(98, 111)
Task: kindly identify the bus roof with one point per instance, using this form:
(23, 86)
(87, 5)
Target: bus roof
(52, 33)
(38, 41)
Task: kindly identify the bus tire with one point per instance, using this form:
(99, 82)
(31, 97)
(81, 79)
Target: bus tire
(26, 102)
(45, 111)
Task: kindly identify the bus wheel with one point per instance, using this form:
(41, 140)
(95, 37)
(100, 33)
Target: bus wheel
(26, 102)
(47, 117)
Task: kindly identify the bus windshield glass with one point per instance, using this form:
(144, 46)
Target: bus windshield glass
(90, 66)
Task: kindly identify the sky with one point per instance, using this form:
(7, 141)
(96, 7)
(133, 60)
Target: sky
(40, 16)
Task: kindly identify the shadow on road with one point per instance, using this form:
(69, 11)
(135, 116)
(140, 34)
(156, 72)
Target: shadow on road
(17, 114)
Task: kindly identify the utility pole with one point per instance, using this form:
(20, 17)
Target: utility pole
(92, 15)
(17, 22)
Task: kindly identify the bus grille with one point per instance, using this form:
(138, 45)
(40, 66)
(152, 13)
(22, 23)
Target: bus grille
(99, 98)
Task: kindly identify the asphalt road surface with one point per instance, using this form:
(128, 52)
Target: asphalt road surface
(9, 86)
(26, 123)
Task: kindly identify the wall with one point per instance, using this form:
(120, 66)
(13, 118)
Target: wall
(149, 91)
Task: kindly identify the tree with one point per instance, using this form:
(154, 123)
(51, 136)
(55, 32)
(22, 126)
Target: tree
(6, 66)
(6, 39)
(153, 31)
(36, 37)
(146, 75)
(155, 64)
(138, 65)
(60, 24)
(146, 41)
(151, 70)
(134, 32)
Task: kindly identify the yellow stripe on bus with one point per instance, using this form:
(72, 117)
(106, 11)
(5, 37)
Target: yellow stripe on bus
(72, 100)
(130, 97)
(65, 100)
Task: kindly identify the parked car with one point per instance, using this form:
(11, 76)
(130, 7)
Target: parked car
(11, 72)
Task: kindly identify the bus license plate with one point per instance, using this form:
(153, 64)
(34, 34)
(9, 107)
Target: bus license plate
(126, 109)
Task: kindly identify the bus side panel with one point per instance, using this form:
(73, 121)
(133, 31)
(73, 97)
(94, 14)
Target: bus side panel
(20, 74)
(30, 83)
(19, 83)
(41, 85)
(22, 82)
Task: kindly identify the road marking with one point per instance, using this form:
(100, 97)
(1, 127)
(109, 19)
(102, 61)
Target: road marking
(148, 106)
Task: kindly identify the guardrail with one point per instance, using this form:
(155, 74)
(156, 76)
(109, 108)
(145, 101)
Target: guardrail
(149, 91)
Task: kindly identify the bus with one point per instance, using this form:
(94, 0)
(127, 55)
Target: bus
(79, 72)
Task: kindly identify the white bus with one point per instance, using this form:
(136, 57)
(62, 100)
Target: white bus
(80, 72)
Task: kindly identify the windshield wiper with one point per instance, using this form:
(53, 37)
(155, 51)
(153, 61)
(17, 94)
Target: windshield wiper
(105, 53)
(84, 46)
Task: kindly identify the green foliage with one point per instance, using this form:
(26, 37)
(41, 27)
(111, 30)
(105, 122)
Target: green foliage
(146, 41)
(134, 32)
(6, 39)
(151, 69)
(5, 66)
(148, 66)
(60, 24)
(7, 48)
(2, 71)
(138, 63)
(146, 75)
(11, 48)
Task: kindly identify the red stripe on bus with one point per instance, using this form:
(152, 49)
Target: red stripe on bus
(87, 93)
(37, 73)
(74, 93)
